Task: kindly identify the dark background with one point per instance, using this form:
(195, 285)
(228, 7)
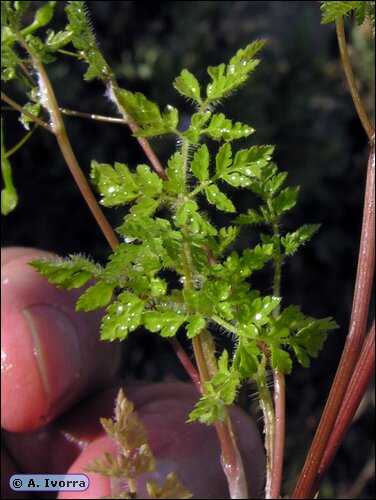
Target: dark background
(297, 100)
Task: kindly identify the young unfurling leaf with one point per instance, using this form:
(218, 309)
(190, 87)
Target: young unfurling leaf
(135, 456)
(171, 488)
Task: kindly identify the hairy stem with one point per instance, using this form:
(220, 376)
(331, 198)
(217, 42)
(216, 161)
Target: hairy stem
(367, 125)
(91, 116)
(273, 484)
(267, 408)
(308, 480)
(203, 347)
(58, 128)
(112, 90)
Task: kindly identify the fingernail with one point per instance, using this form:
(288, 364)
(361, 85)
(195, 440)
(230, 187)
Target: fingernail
(56, 348)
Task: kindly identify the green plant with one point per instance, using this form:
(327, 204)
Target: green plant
(167, 228)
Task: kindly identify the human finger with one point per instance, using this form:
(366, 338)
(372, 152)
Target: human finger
(51, 355)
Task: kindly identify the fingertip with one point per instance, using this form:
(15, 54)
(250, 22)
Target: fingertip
(51, 355)
(99, 486)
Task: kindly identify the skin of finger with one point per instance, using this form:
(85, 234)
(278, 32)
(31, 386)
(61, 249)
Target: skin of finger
(190, 450)
(74, 440)
(26, 404)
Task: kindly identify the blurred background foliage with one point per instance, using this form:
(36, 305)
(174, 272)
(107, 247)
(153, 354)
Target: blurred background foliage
(297, 100)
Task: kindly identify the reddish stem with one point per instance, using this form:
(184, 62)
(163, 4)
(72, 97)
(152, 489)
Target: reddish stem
(186, 362)
(279, 433)
(354, 341)
(358, 384)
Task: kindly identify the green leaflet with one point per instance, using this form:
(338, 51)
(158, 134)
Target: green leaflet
(223, 159)
(285, 200)
(95, 297)
(251, 217)
(188, 86)
(147, 114)
(195, 325)
(221, 392)
(166, 321)
(226, 236)
(186, 212)
(246, 358)
(305, 335)
(237, 268)
(292, 241)
(84, 41)
(175, 174)
(69, 274)
(118, 185)
(219, 199)
(194, 132)
(260, 309)
(200, 163)
(227, 78)
(56, 41)
(334, 10)
(310, 339)
(123, 316)
(221, 127)
(281, 360)
(245, 168)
